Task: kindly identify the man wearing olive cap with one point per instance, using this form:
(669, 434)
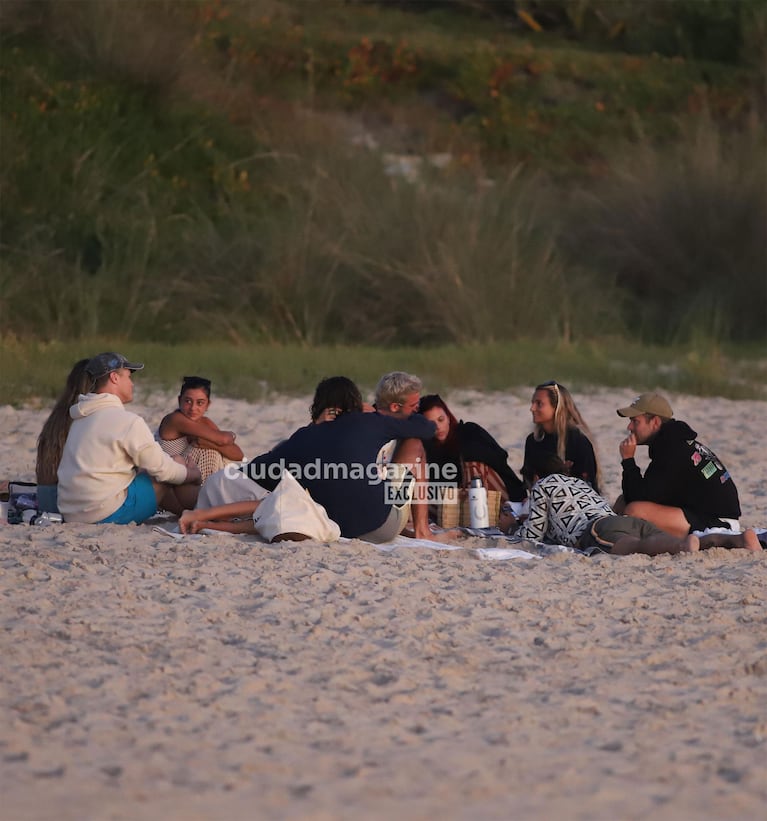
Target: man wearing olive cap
(685, 487)
(112, 470)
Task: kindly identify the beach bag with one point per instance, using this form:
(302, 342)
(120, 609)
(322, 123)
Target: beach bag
(22, 502)
(490, 478)
(290, 513)
(456, 514)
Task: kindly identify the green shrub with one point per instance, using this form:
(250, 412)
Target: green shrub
(681, 230)
(716, 30)
(213, 192)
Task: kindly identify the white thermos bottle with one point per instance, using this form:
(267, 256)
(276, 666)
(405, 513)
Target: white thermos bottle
(478, 516)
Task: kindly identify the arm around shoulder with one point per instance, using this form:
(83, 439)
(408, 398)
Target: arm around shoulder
(414, 427)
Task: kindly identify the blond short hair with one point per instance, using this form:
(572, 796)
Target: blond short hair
(395, 387)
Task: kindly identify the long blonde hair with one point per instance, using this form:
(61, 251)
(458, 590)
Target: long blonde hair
(50, 443)
(566, 415)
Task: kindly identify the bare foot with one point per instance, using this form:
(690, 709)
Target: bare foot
(748, 540)
(690, 544)
(448, 536)
(751, 540)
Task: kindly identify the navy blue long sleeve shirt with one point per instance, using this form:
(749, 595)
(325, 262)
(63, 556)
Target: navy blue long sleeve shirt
(336, 462)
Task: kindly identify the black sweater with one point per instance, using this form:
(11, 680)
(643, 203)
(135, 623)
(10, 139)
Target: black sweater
(579, 452)
(682, 473)
(335, 462)
(475, 444)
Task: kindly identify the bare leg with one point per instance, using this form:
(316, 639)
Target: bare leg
(670, 519)
(167, 498)
(410, 452)
(747, 540)
(187, 495)
(620, 506)
(450, 536)
(653, 545)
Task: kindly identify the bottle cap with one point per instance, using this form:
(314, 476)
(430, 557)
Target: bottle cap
(476, 482)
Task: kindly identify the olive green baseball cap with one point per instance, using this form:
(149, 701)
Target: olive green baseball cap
(652, 403)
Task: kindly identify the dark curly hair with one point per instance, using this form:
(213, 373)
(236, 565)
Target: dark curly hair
(336, 392)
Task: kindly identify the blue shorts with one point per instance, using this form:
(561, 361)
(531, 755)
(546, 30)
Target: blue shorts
(140, 504)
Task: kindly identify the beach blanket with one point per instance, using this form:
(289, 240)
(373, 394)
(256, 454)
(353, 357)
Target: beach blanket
(486, 553)
(516, 549)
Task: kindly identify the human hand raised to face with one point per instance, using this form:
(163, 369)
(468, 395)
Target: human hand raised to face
(328, 415)
(628, 447)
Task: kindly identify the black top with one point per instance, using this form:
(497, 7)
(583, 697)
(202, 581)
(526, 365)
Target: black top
(475, 444)
(335, 461)
(579, 452)
(682, 473)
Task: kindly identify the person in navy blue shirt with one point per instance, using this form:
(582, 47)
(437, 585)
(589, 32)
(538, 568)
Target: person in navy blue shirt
(341, 465)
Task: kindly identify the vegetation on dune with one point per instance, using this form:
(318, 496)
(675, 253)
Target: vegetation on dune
(218, 170)
(34, 370)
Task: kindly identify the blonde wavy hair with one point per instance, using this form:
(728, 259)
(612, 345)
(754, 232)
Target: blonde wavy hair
(566, 415)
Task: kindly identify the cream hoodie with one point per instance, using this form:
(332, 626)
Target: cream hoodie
(105, 448)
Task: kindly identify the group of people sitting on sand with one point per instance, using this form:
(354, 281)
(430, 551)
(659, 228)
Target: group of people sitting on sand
(364, 467)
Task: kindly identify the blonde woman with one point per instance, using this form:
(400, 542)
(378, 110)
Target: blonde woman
(559, 429)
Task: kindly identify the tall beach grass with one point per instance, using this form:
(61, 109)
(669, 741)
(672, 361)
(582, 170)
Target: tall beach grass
(314, 243)
(682, 234)
(184, 203)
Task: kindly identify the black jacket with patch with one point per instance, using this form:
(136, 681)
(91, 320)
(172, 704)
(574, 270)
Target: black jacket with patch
(682, 473)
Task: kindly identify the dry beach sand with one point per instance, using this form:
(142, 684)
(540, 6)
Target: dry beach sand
(220, 678)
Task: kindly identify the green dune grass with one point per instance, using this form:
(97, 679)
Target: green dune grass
(220, 172)
(32, 372)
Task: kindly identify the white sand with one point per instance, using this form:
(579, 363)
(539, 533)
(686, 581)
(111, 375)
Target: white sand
(144, 678)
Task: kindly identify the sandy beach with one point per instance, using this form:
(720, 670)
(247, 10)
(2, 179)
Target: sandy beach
(221, 678)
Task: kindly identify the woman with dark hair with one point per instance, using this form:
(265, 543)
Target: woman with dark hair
(560, 429)
(50, 443)
(188, 432)
(468, 449)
